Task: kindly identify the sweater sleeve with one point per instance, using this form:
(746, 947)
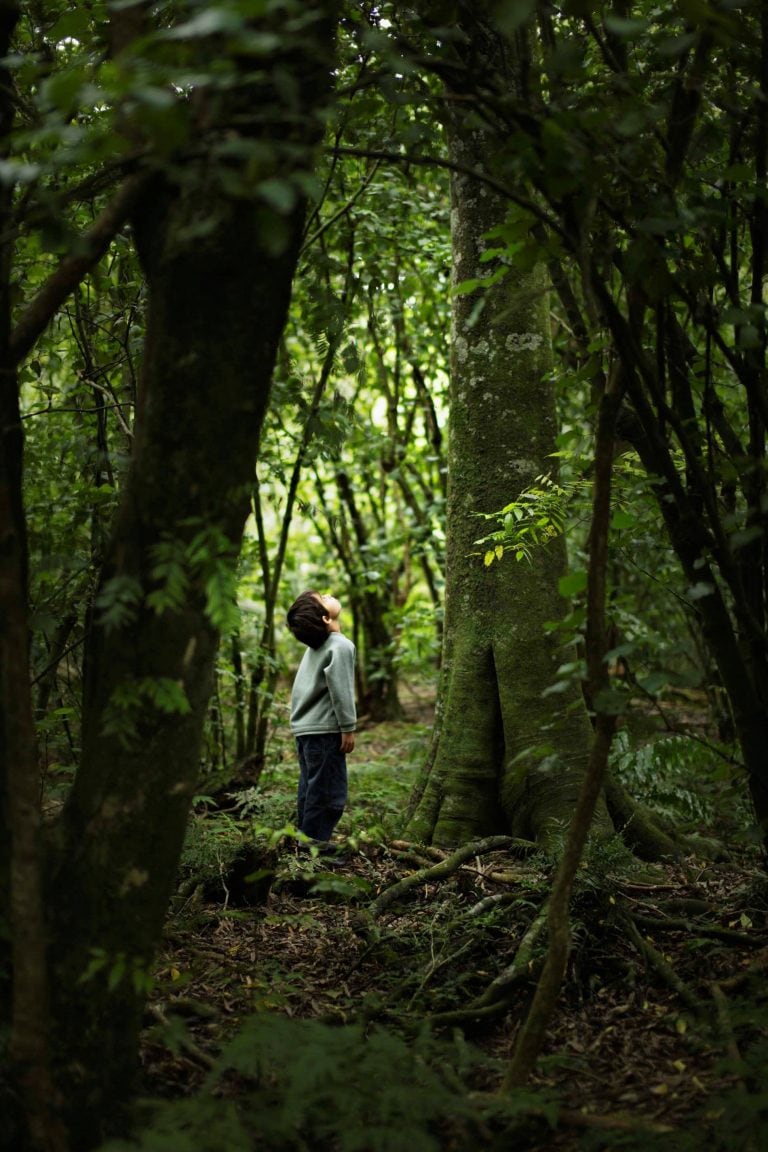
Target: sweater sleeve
(340, 678)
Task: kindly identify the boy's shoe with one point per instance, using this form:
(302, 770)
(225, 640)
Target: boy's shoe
(325, 849)
(335, 848)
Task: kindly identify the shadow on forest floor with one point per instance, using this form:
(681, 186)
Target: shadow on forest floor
(661, 1027)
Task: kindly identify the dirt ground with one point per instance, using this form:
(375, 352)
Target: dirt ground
(638, 1039)
(663, 1004)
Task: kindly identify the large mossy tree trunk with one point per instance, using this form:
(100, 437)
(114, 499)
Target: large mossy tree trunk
(506, 757)
(219, 268)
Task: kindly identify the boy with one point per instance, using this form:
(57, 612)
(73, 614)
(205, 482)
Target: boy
(323, 717)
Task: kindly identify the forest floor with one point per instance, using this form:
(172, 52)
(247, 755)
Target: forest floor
(658, 1041)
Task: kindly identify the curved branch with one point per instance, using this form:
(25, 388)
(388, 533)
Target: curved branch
(463, 170)
(74, 267)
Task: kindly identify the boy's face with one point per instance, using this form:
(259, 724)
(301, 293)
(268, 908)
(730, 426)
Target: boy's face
(332, 610)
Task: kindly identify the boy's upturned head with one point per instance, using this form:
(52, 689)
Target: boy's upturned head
(312, 616)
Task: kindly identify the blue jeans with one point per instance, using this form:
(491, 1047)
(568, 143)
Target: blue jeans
(322, 784)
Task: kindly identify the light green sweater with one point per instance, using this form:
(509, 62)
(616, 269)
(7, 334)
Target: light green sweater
(323, 697)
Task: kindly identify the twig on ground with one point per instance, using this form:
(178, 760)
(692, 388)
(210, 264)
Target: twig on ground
(495, 1000)
(188, 1044)
(631, 886)
(434, 966)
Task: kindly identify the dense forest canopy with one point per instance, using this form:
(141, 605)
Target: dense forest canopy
(453, 309)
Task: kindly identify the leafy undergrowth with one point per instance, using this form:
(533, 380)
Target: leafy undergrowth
(322, 1020)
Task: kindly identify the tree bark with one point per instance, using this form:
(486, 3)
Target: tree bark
(507, 758)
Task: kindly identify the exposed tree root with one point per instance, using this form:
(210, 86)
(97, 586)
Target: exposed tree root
(725, 1022)
(608, 1121)
(622, 1056)
(756, 969)
(678, 924)
(459, 1016)
(521, 966)
(728, 1036)
(515, 844)
(440, 871)
(496, 999)
(662, 966)
(496, 901)
(426, 850)
(638, 827)
(611, 1122)
(499, 995)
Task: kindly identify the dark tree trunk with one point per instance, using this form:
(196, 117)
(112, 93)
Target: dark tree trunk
(218, 297)
(27, 1095)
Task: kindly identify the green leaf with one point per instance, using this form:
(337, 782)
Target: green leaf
(116, 972)
(622, 519)
(62, 89)
(509, 15)
(17, 172)
(221, 602)
(699, 590)
(676, 45)
(97, 963)
(653, 682)
(749, 336)
(626, 27)
(468, 286)
(210, 21)
(73, 23)
(335, 885)
(279, 194)
(118, 601)
(166, 694)
(572, 583)
(745, 536)
(611, 702)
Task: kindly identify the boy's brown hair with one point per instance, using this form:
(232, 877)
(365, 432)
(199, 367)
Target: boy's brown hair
(306, 619)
